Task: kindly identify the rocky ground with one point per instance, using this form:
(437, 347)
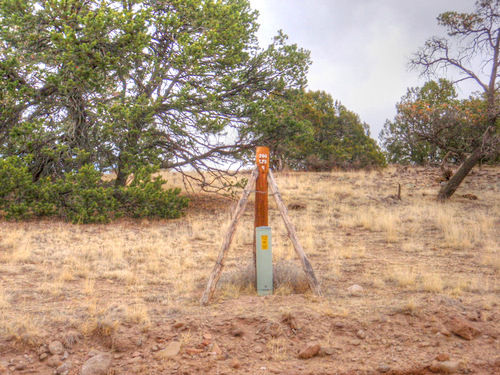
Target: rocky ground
(381, 311)
(448, 338)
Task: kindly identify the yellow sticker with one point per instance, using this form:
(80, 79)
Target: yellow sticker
(265, 243)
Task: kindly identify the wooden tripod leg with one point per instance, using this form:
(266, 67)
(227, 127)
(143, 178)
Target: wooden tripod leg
(306, 265)
(219, 264)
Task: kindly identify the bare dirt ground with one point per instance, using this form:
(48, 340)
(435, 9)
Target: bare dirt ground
(124, 298)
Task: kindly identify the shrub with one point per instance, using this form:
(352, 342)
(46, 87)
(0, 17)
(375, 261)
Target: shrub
(19, 196)
(145, 197)
(82, 197)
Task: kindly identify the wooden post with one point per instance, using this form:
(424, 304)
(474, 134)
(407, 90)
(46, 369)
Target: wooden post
(261, 195)
(306, 265)
(219, 264)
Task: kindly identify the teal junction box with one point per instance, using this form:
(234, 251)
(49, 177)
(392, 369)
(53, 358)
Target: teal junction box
(264, 261)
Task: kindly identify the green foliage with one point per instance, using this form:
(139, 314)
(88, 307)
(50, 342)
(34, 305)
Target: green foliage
(430, 121)
(88, 86)
(278, 123)
(341, 140)
(309, 131)
(462, 126)
(145, 197)
(82, 197)
(16, 188)
(126, 84)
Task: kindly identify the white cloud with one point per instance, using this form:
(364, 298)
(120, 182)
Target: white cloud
(360, 48)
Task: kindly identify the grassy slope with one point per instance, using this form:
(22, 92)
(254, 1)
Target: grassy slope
(418, 261)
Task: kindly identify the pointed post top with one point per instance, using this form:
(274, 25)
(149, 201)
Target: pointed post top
(261, 195)
(262, 159)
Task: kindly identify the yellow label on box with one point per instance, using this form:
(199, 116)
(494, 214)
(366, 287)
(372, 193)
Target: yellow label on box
(265, 242)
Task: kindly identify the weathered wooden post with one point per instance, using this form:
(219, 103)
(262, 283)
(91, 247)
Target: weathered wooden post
(261, 195)
(259, 179)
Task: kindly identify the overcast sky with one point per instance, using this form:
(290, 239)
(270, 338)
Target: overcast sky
(360, 48)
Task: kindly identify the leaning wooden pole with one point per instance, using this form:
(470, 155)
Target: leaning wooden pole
(306, 265)
(219, 264)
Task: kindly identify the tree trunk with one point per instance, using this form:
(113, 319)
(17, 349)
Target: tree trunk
(447, 190)
(121, 179)
(121, 174)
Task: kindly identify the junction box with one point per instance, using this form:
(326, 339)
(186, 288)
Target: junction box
(264, 261)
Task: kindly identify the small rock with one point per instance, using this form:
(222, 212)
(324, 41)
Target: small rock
(449, 367)
(258, 349)
(273, 370)
(136, 354)
(328, 351)
(193, 351)
(309, 351)
(56, 347)
(355, 290)
(42, 349)
(64, 368)
(155, 348)
(434, 367)
(122, 343)
(178, 324)
(94, 352)
(216, 349)
(383, 368)
(445, 332)
(235, 363)
(135, 360)
(170, 351)
(442, 357)
(20, 366)
(361, 334)
(97, 365)
(43, 356)
(54, 361)
(237, 332)
(462, 328)
(339, 325)
(207, 336)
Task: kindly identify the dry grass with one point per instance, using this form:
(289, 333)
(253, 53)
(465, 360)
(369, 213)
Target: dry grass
(432, 283)
(4, 300)
(277, 349)
(98, 277)
(403, 276)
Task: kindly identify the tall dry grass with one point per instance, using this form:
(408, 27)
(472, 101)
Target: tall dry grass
(97, 277)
